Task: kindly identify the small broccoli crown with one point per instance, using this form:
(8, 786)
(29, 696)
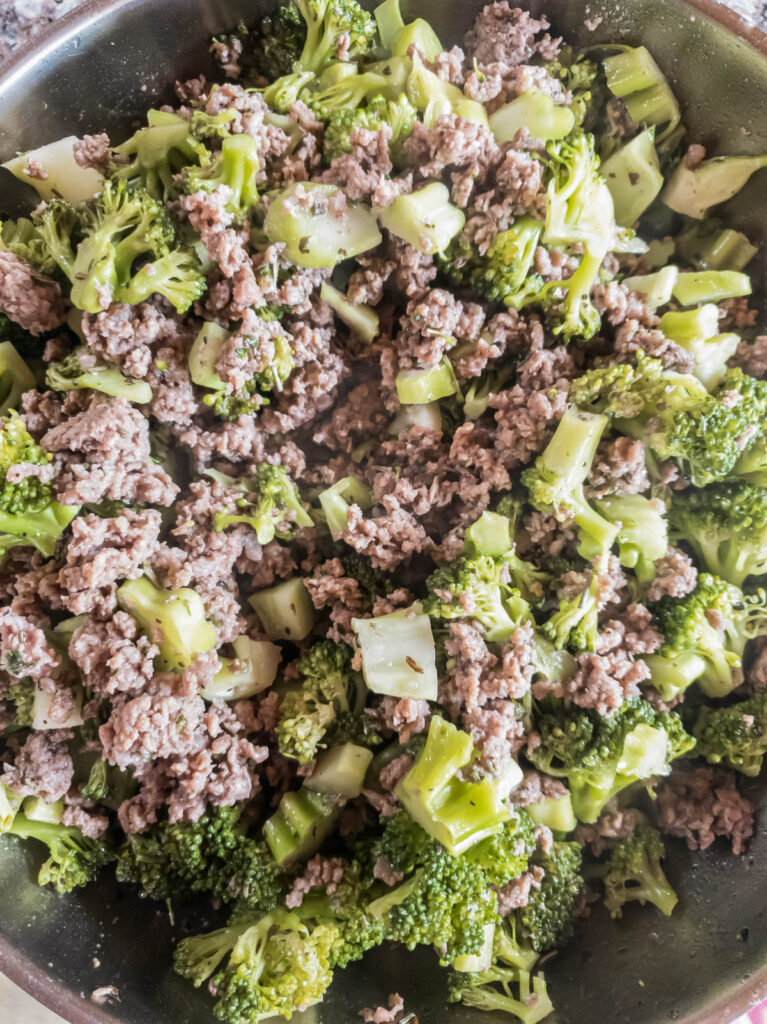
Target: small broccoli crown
(575, 624)
(549, 917)
(373, 582)
(74, 859)
(398, 115)
(154, 155)
(726, 525)
(272, 47)
(28, 494)
(736, 735)
(476, 587)
(331, 25)
(80, 370)
(21, 694)
(503, 273)
(235, 167)
(633, 872)
(268, 502)
(567, 735)
(22, 238)
(504, 856)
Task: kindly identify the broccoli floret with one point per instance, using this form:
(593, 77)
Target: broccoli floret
(399, 115)
(504, 856)
(555, 482)
(502, 274)
(74, 859)
(212, 855)
(674, 414)
(642, 531)
(373, 582)
(272, 47)
(735, 735)
(548, 920)
(22, 238)
(714, 623)
(21, 694)
(633, 872)
(601, 756)
(268, 502)
(726, 525)
(503, 989)
(80, 370)
(331, 24)
(235, 166)
(329, 688)
(97, 245)
(575, 624)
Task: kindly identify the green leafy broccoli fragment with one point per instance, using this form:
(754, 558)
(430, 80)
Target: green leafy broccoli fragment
(329, 689)
(633, 872)
(21, 694)
(268, 502)
(548, 919)
(736, 735)
(575, 624)
(235, 166)
(503, 273)
(601, 756)
(22, 238)
(74, 860)
(726, 526)
(97, 245)
(212, 855)
(399, 115)
(714, 622)
(81, 370)
(330, 26)
(270, 48)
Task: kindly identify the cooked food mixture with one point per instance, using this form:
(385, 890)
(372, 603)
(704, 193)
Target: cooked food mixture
(383, 503)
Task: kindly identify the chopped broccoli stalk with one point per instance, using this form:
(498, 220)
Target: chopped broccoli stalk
(426, 218)
(155, 154)
(64, 179)
(235, 166)
(10, 803)
(15, 379)
(555, 812)
(432, 97)
(656, 289)
(301, 823)
(398, 654)
(46, 714)
(341, 770)
(81, 370)
(419, 34)
(331, 25)
(671, 674)
(642, 532)
(601, 756)
(634, 77)
(285, 611)
(268, 502)
(633, 872)
(74, 860)
(711, 247)
(715, 622)
(361, 319)
(726, 525)
(735, 735)
(326, 231)
(457, 814)
(252, 670)
(694, 191)
(173, 619)
(335, 502)
(555, 482)
(389, 20)
(535, 111)
(41, 530)
(427, 414)
(490, 535)
(699, 286)
(418, 387)
(634, 178)
(204, 354)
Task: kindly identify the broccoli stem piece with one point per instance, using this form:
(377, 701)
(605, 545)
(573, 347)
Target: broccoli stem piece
(426, 218)
(398, 654)
(691, 289)
(341, 770)
(696, 331)
(285, 611)
(694, 191)
(301, 823)
(236, 167)
(656, 289)
(670, 675)
(428, 415)
(432, 97)
(65, 179)
(15, 379)
(535, 111)
(419, 387)
(361, 319)
(642, 532)
(173, 619)
(41, 530)
(555, 813)
(252, 670)
(714, 248)
(489, 535)
(79, 370)
(389, 20)
(10, 803)
(419, 34)
(634, 77)
(335, 502)
(634, 177)
(204, 354)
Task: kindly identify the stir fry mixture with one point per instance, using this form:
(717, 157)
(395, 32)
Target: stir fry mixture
(383, 502)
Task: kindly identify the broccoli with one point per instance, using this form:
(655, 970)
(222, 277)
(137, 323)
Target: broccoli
(398, 654)
(74, 860)
(81, 370)
(331, 24)
(693, 191)
(674, 414)
(349, 89)
(601, 756)
(329, 688)
(282, 94)
(303, 820)
(503, 988)
(735, 735)
(697, 331)
(504, 856)
(634, 177)
(97, 244)
(212, 855)
(555, 482)
(726, 526)
(272, 47)
(22, 238)
(642, 531)
(710, 246)
(633, 872)
(433, 97)
(236, 167)
(268, 502)
(456, 813)
(543, 117)
(21, 694)
(426, 218)
(548, 919)
(398, 114)
(575, 624)
(714, 622)
(502, 274)
(252, 670)
(374, 583)
(173, 619)
(491, 536)
(633, 76)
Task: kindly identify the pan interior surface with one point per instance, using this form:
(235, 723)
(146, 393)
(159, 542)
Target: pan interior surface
(100, 69)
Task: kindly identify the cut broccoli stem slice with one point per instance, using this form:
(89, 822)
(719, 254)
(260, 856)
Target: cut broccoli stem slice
(204, 354)
(671, 676)
(419, 387)
(361, 319)
(489, 535)
(15, 379)
(341, 770)
(555, 812)
(633, 76)
(79, 370)
(40, 529)
(285, 611)
(634, 178)
(421, 35)
(252, 670)
(389, 20)
(426, 218)
(695, 330)
(656, 289)
(428, 415)
(335, 502)
(10, 804)
(323, 233)
(398, 654)
(699, 286)
(302, 821)
(693, 191)
(173, 619)
(537, 112)
(715, 248)
(432, 97)
(46, 716)
(65, 178)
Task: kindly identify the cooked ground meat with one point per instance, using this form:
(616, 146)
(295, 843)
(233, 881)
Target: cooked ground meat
(675, 575)
(702, 804)
(31, 300)
(43, 767)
